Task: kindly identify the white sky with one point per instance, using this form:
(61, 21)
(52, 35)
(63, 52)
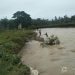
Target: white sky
(38, 8)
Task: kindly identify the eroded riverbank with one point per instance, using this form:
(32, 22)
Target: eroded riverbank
(51, 60)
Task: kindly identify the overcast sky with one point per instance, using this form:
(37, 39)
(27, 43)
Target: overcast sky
(38, 8)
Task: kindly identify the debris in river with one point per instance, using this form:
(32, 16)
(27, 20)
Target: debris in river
(34, 72)
(52, 40)
(57, 42)
(60, 47)
(64, 69)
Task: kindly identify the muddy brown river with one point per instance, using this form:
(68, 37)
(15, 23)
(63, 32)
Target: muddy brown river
(52, 60)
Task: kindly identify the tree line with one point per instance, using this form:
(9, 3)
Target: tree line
(56, 22)
(21, 17)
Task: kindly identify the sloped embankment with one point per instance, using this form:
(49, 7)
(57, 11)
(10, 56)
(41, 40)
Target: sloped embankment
(11, 43)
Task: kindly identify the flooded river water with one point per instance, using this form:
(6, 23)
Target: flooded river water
(52, 60)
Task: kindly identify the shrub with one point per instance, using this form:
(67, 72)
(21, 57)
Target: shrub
(11, 47)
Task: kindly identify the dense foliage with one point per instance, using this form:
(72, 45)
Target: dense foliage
(11, 42)
(56, 22)
(20, 17)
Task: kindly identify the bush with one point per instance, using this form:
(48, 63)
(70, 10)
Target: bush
(11, 47)
(11, 63)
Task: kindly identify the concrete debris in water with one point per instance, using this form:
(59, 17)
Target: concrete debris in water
(64, 69)
(52, 40)
(34, 72)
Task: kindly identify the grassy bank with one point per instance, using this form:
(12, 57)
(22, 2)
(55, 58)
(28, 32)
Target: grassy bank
(11, 42)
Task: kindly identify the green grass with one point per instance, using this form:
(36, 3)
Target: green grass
(11, 42)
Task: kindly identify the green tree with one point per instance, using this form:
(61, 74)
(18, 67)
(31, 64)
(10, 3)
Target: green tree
(22, 18)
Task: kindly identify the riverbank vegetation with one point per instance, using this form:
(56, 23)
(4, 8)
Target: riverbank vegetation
(11, 42)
